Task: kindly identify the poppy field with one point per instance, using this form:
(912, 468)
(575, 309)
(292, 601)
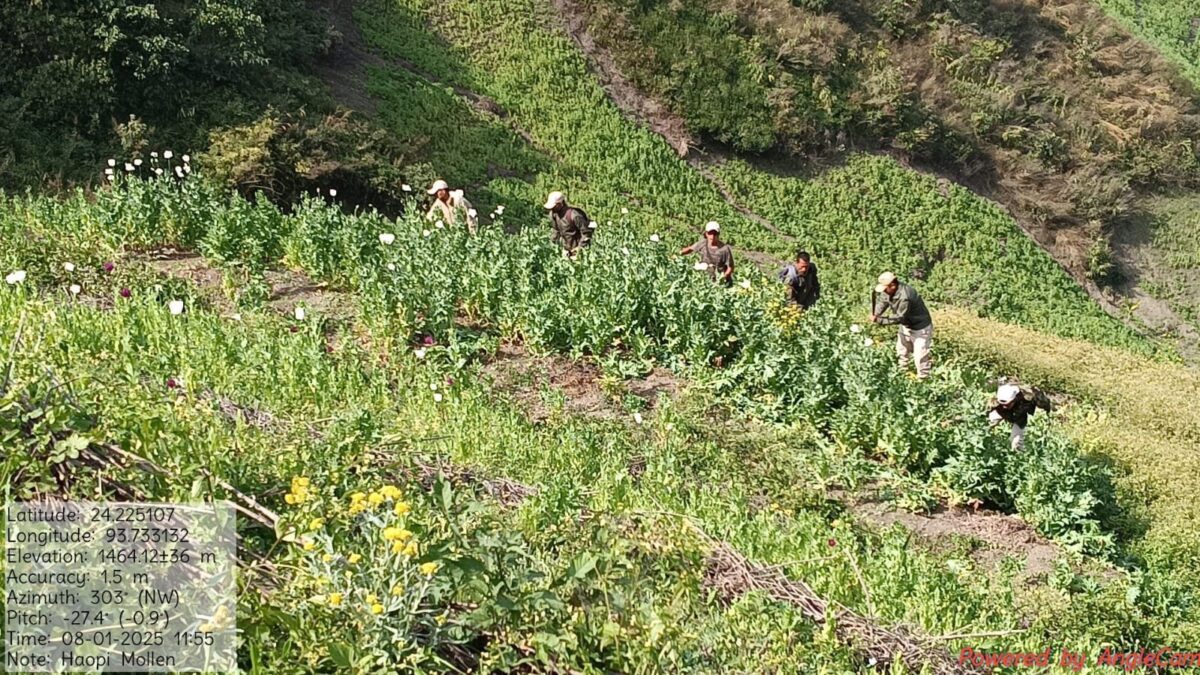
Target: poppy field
(411, 505)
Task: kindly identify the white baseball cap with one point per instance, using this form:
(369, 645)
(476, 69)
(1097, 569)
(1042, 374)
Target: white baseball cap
(437, 185)
(1007, 393)
(712, 226)
(554, 199)
(885, 279)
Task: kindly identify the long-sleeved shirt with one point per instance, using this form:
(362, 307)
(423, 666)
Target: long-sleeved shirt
(905, 307)
(447, 211)
(571, 228)
(1027, 403)
(803, 289)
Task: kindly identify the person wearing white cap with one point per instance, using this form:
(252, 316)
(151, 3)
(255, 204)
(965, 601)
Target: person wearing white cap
(716, 257)
(1015, 404)
(448, 204)
(571, 227)
(897, 303)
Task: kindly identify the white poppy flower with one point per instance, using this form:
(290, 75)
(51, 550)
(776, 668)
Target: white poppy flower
(158, 172)
(745, 283)
(154, 154)
(637, 417)
(111, 178)
(433, 386)
(701, 266)
(406, 187)
(168, 154)
(332, 192)
(69, 266)
(624, 211)
(108, 172)
(624, 250)
(235, 317)
(855, 328)
(112, 162)
(441, 225)
(426, 233)
(137, 162)
(128, 166)
(419, 352)
(499, 208)
(175, 306)
(299, 313)
(74, 288)
(592, 225)
(15, 277)
(186, 159)
(187, 169)
(386, 238)
(868, 342)
(654, 238)
(437, 398)
(391, 267)
(179, 171)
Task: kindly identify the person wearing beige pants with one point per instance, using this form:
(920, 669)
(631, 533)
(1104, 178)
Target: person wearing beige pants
(900, 304)
(915, 344)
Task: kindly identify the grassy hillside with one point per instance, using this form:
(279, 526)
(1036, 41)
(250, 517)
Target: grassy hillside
(597, 567)
(1042, 105)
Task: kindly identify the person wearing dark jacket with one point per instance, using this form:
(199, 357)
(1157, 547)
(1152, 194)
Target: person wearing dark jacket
(803, 286)
(898, 303)
(1014, 404)
(572, 229)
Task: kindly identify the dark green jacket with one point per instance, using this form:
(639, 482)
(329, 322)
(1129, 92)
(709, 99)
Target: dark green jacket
(905, 308)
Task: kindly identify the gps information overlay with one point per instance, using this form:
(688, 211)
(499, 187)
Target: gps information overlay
(116, 586)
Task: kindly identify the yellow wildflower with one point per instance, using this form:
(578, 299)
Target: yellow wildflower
(357, 497)
(374, 499)
(377, 608)
(401, 508)
(316, 524)
(300, 482)
(398, 547)
(441, 619)
(290, 498)
(372, 598)
(354, 558)
(396, 534)
(391, 492)
(429, 568)
(411, 549)
(358, 507)
(327, 558)
(308, 545)
(335, 599)
(398, 589)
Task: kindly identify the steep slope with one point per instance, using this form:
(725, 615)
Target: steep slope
(1171, 25)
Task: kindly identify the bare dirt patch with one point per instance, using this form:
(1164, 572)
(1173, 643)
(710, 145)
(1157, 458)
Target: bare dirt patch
(289, 288)
(545, 386)
(999, 535)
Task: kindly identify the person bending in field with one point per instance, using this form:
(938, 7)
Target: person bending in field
(1014, 404)
(716, 257)
(800, 278)
(897, 303)
(571, 227)
(448, 205)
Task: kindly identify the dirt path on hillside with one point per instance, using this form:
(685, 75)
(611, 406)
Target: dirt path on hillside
(289, 288)
(998, 535)
(545, 385)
